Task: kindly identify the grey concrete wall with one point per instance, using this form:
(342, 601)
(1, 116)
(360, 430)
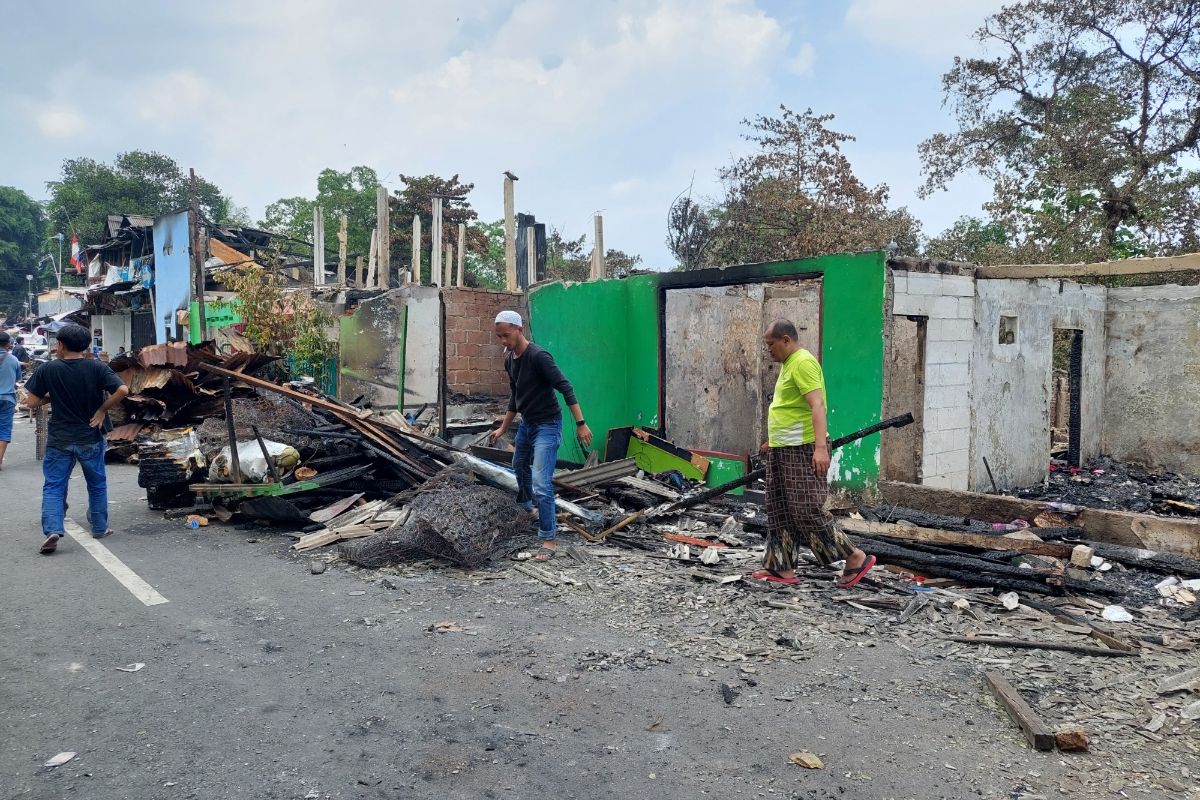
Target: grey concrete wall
(1152, 380)
(1012, 388)
(370, 357)
(948, 302)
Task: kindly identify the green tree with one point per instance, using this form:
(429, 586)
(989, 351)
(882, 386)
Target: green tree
(416, 198)
(136, 182)
(691, 230)
(351, 193)
(485, 267)
(971, 240)
(1084, 121)
(797, 196)
(22, 228)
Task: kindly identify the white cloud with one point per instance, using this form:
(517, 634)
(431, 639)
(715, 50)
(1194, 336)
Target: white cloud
(177, 98)
(60, 122)
(802, 63)
(933, 29)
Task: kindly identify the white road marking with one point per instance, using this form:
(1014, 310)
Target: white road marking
(128, 578)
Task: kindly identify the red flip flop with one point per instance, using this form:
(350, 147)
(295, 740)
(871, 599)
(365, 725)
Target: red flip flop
(773, 577)
(850, 580)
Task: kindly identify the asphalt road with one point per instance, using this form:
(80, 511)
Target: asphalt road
(262, 680)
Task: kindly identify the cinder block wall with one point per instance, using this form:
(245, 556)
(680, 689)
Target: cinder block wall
(948, 301)
(474, 359)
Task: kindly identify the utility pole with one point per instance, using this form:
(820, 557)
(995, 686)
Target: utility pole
(462, 247)
(435, 255)
(197, 256)
(510, 233)
(383, 215)
(342, 236)
(598, 271)
(416, 249)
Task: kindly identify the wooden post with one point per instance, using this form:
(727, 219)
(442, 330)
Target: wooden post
(510, 233)
(462, 248)
(435, 253)
(318, 246)
(416, 249)
(530, 258)
(372, 258)
(358, 272)
(598, 270)
(342, 236)
(235, 467)
(197, 256)
(383, 220)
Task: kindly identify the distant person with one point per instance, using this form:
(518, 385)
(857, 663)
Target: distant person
(10, 373)
(532, 379)
(19, 352)
(121, 351)
(74, 386)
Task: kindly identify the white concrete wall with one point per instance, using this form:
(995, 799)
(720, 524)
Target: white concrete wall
(948, 301)
(114, 332)
(1012, 389)
(1152, 377)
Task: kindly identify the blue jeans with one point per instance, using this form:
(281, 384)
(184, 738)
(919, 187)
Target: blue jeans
(8, 406)
(536, 451)
(57, 468)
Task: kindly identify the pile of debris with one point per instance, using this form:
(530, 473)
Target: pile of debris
(1112, 484)
(168, 390)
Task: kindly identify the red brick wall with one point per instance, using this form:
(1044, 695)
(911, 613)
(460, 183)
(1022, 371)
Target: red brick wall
(474, 359)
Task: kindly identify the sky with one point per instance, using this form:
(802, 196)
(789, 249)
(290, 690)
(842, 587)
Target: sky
(614, 106)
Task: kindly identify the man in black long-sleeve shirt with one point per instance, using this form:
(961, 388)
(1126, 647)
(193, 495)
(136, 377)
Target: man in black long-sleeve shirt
(532, 379)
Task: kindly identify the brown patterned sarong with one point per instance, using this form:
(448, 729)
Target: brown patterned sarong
(796, 511)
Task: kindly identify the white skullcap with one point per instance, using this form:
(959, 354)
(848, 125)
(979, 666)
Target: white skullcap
(511, 317)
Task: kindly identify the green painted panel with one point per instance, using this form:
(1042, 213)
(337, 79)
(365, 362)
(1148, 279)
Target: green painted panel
(656, 460)
(724, 470)
(605, 336)
(217, 314)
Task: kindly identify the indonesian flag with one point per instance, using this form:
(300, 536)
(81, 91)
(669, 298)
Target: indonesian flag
(76, 262)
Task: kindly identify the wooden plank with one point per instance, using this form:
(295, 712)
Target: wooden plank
(1169, 534)
(537, 574)
(1000, 641)
(980, 541)
(1129, 266)
(332, 511)
(1040, 737)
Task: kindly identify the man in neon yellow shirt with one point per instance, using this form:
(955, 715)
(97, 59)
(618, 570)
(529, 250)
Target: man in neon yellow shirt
(797, 451)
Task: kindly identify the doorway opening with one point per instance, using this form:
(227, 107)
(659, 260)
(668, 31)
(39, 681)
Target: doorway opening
(1066, 417)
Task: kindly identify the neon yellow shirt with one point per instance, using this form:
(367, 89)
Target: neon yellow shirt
(789, 420)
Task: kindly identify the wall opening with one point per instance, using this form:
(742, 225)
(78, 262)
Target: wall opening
(1008, 330)
(1066, 434)
(904, 390)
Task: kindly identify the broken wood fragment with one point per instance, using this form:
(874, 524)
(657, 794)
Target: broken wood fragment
(1001, 641)
(981, 541)
(1039, 736)
(537, 574)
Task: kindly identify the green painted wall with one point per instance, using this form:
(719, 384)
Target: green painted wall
(217, 314)
(605, 336)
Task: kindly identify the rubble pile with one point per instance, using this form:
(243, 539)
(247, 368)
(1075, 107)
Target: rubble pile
(1111, 484)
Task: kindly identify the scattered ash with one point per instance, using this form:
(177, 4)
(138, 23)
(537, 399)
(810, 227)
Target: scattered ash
(1111, 484)
(596, 661)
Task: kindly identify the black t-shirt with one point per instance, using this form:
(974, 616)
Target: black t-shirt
(532, 379)
(75, 387)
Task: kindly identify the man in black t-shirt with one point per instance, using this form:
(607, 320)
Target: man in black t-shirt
(75, 387)
(533, 377)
